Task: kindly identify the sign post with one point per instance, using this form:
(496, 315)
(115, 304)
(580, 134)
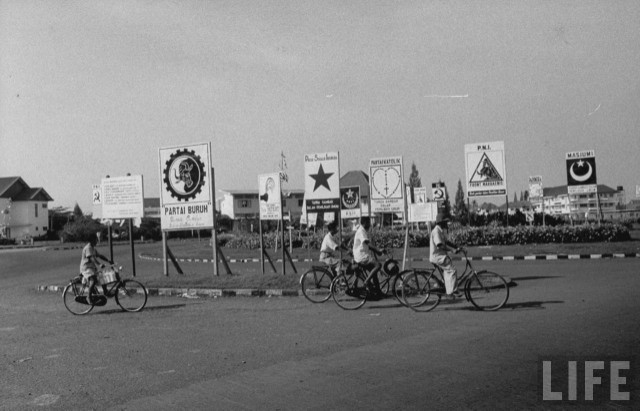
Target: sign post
(581, 175)
(187, 200)
(123, 198)
(270, 198)
(386, 185)
(536, 192)
(486, 170)
(322, 184)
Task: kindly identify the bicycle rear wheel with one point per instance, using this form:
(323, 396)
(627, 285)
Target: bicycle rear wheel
(131, 295)
(418, 290)
(349, 291)
(487, 291)
(76, 299)
(316, 284)
(384, 280)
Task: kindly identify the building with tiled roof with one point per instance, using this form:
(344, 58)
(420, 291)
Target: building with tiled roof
(24, 210)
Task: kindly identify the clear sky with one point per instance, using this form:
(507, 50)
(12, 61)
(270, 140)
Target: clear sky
(90, 88)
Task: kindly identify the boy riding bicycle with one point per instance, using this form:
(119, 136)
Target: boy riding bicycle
(89, 262)
(329, 249)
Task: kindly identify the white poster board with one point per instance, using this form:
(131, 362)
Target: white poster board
(322, 182)
(485, 169)
(122, 197)
(535, 187)
(186, 195)
(386, 185)
(270, 197)
(421, 211)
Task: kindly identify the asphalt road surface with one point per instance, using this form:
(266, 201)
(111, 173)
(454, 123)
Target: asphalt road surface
(284, 353)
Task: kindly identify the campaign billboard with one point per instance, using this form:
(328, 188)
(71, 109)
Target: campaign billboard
(581, 172)
(269, 196)
(386, 185)
(186, 195)
(485, 169)
(322, 182)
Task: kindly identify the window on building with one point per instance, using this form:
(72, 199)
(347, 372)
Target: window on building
(245, 203)
(36, 208)
(284, 202)
(300, 203)
(44, 228)
(44, 206)
(36, 228)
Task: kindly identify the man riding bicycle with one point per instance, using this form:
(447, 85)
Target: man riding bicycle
(363, 254)
(438, 254)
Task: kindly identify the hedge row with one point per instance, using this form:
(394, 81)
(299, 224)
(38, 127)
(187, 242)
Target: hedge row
(541, 235)
(472, 236)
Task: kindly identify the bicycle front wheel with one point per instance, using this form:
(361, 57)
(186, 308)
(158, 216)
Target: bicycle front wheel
(349, 291)
(131, 295)
(487, 291)
(316, 284)
(418, 290)
(76, 299)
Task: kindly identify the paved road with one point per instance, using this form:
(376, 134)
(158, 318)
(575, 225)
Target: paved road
(285, 353)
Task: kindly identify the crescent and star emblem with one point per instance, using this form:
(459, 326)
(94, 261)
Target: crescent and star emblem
(581, 177)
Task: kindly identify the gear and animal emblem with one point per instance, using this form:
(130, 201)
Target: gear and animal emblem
(184, 175)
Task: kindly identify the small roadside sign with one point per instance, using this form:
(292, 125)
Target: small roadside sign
(438, 191)
(535, 187)
(350, 202)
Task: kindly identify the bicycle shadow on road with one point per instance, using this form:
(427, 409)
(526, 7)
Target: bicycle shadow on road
(535, 277)
(530, 305)
(527, 305)
(148, 308)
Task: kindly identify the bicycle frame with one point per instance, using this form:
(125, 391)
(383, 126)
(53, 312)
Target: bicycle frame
(466, 273)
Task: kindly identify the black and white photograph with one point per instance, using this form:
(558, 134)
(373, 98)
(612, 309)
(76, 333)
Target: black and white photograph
(319, 205)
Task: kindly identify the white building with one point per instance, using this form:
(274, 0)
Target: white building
(244, 204)
(557, 201)
(24, 211)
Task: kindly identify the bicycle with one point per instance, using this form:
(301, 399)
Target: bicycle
(316, 282)
(486, 290)
(350, 292)
(129, 294)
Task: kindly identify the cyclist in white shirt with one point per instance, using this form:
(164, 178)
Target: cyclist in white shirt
(364, 254)
(438, 253)
(329, 250)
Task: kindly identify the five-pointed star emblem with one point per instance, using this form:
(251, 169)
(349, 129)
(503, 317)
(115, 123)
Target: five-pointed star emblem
(322, 179)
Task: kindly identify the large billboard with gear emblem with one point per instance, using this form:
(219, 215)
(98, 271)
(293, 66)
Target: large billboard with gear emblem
(186, 195)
